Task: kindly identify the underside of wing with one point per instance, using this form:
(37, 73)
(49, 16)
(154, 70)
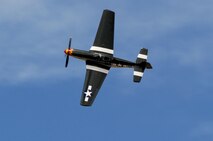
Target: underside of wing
(104, 39)
(95, 75)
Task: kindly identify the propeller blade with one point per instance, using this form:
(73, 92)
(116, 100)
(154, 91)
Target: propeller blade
(70, 43)
(69, 47)
(67, 61)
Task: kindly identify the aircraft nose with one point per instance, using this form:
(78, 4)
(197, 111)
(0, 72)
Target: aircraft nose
(68, 51)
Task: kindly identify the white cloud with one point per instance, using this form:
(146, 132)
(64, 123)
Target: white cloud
(21, 10)
(204, 129)
(37, 31)
(34, 52)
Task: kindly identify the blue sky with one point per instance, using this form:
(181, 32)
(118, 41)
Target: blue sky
(39, 98)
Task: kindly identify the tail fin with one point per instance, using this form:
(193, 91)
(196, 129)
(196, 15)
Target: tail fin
(141, 65)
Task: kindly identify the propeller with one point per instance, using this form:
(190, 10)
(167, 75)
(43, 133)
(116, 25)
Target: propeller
(67, 59)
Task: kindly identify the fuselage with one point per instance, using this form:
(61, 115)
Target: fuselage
(102, 58)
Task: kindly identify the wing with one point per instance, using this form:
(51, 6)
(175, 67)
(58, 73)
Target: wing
(104, 39)
(95, 75)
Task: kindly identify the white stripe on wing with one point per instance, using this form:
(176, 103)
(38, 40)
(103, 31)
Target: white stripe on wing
(95, 68)
(102, 49)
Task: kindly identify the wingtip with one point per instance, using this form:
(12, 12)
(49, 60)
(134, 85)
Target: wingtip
(108, 11)
(86, 104)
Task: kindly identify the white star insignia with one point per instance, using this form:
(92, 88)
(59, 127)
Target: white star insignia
(88, 93)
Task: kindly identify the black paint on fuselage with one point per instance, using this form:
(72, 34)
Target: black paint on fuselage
(102, 58)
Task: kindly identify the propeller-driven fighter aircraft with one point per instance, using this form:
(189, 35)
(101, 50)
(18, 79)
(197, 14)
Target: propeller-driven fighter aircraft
(99, 59)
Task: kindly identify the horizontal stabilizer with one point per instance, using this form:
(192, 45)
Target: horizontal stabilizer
(142, 56)
(141, 65)
(138, 73)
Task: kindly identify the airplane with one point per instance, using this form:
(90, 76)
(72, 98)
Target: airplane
(99, 59)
